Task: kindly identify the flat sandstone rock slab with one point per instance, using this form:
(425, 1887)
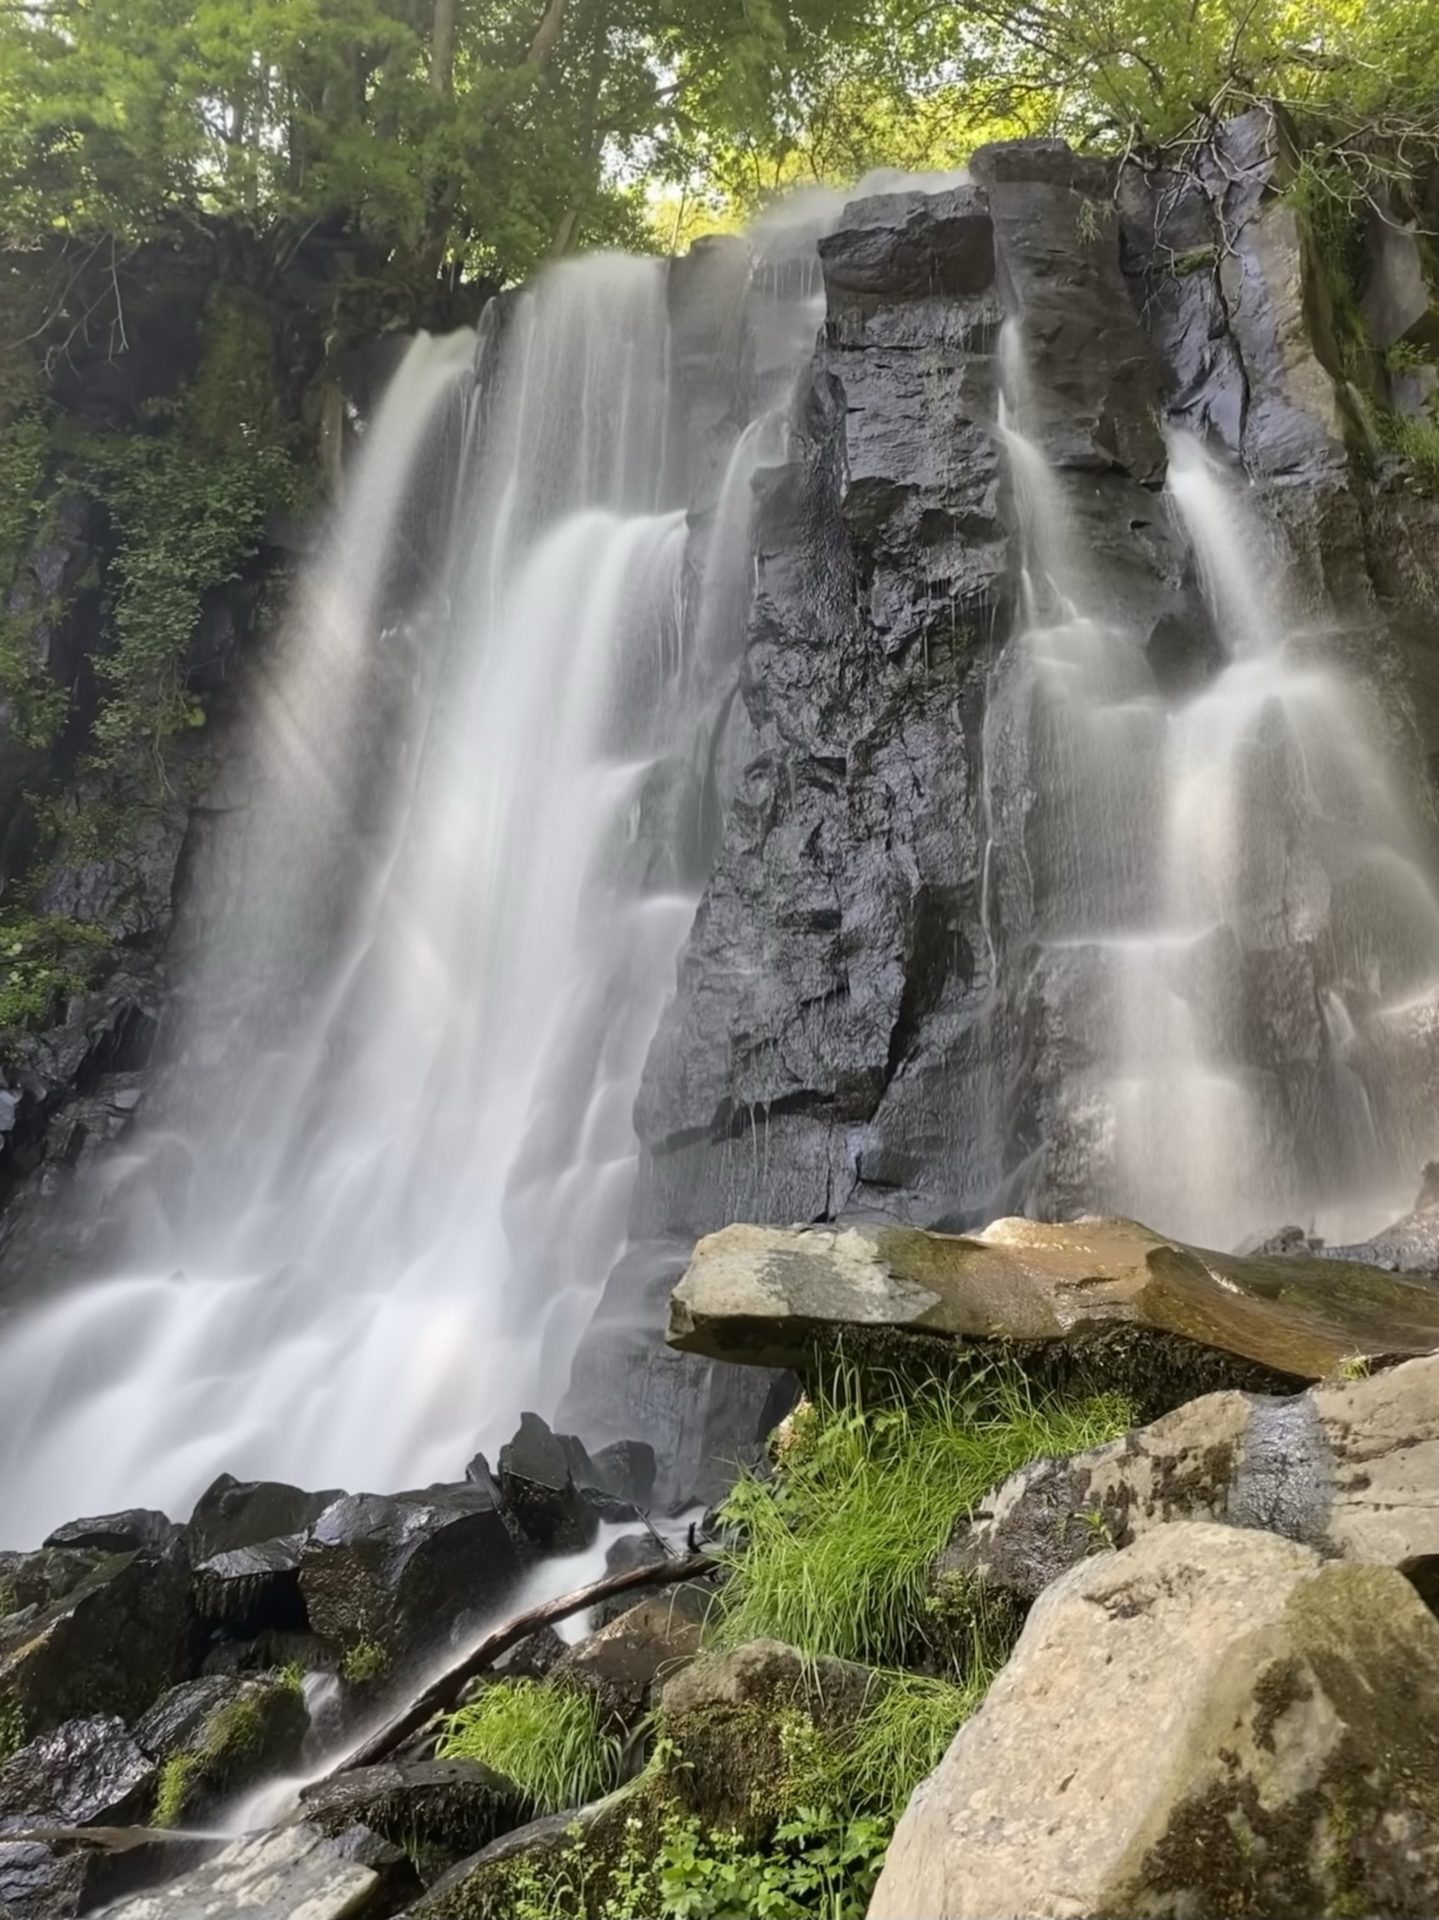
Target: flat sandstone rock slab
(293, 1873)
(769, 1295)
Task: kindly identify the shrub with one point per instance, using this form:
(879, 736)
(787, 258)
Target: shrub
(547, 1740)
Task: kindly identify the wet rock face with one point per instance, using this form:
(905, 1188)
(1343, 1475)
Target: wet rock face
(1213, 1721)
(294, 1870)
(397, 1575)
(245, 1542)
(87, 1771)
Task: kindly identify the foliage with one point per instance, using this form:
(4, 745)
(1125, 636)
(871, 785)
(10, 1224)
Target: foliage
(819, 1865)
(364, 1663)
(44, 958)
(836, 1548)
(1416, 441)
(548, 1740)
(12, 1727)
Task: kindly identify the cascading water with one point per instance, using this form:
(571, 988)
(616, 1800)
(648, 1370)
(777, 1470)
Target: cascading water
(1226, 901)
(371, 1217)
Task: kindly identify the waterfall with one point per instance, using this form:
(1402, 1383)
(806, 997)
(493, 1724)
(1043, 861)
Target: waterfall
(1232, 933)
(389, 1165)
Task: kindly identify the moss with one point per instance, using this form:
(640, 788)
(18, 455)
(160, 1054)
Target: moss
(1196, 260)
(12, 1726)
(235, 1743)
(177, 1778)
(9, 1598)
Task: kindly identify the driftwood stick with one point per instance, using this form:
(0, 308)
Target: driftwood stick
(442, 1694)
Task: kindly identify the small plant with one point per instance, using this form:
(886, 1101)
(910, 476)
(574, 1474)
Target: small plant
(234, 1740)
(835, 1550)
(1403, 356)
(1414, 440)
(1354, 1366)
(1091, 219)
(547, 1740)
(365, 1663)
(12, 1727)
(9, 1598)
(44, 958)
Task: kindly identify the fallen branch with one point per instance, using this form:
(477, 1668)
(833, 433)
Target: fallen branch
(442, 1694)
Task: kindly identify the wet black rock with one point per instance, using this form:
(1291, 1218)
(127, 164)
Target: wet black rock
(86, 1772)
(244, 1513)
(437, 1810)
(627, 1468)
(537, 1485)
(245, 1539)
(217, 1735)
(112, 1645)
(120, 1532)
(387, 1579)
(627, 1555)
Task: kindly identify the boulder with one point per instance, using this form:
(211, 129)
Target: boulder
(119, 1532)
(245, 1541)
(537, 1485)
(111, 1645)
(217, 1735)
(629, 1659)
(626, 1555)
(483, 1887)
(772, 1296)
(438, 1811)
(291, 1872)
(1350, 1468)
(728, 1716)
(41, 1578)
(1211, 1722)
(386, 1580)
(83, 1773)
(627, 1468)
(234, 1513)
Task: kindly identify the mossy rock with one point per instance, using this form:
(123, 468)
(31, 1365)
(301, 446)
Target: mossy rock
(437, 1811)
(1108, 1297)
(218, 1735)
(112, 1644)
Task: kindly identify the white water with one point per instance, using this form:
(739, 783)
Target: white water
(1237, 941)
(371, 1220)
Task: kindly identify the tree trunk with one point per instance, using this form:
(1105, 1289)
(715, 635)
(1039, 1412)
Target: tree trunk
(442, 47)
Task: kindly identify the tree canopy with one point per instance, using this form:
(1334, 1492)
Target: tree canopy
(483, 134)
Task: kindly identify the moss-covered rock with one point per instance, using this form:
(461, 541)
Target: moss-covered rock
(1351, 1467)
(1214, 1722)
(112, 1644)
(438, 1811)
(779, 1296)
(214, 1736)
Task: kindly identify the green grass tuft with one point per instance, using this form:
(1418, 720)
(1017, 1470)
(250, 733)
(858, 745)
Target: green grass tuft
(835, 1549)
(366, 1662)
(547, 1740)
(1416, 441)
(177, 1777)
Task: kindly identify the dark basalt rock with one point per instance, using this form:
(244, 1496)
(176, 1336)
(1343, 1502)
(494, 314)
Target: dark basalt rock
(84, 1773)
(627, 1468)
(111, 1645)
(120, 1532)
(537, 1485)
(437, 1810)
(403, 1573)
(246, 1513)
(37, 1580)
(246, 1539)
(910, 246)
(626, 1661)
(221, 1735)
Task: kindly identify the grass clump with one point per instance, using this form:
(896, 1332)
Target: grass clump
(178, 1777)
(1414, 440)
(366, 1662)
(548, 1741)
(835, 1550)
(12, 1727)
